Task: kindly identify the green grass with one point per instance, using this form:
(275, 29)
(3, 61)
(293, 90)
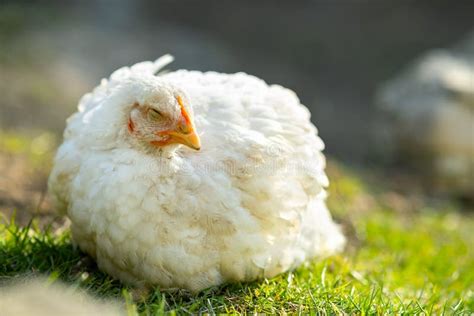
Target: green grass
(418, 258)
(38, 150)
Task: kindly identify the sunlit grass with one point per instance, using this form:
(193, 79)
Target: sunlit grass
(37, 149)
(417, 262)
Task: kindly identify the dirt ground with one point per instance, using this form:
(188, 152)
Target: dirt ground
(24, 169)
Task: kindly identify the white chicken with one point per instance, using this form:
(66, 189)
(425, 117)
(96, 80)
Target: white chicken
(189, 179)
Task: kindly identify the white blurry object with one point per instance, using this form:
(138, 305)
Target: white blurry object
(428, 117)
(37, 297)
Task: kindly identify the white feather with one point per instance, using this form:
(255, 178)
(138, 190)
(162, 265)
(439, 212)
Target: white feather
(250, 204)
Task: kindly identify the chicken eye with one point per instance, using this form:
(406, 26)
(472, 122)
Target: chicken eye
(154, 115)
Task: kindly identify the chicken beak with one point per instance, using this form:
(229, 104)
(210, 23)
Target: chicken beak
(186, 134)
(190, 139)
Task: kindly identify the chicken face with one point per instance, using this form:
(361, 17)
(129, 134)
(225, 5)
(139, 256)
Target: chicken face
(163, 120)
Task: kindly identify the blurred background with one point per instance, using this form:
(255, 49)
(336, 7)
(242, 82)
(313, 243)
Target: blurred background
(390, 85)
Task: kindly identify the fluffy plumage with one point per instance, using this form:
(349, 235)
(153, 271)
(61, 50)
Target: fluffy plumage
(249, 204)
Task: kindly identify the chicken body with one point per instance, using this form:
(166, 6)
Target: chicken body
(249, 204)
